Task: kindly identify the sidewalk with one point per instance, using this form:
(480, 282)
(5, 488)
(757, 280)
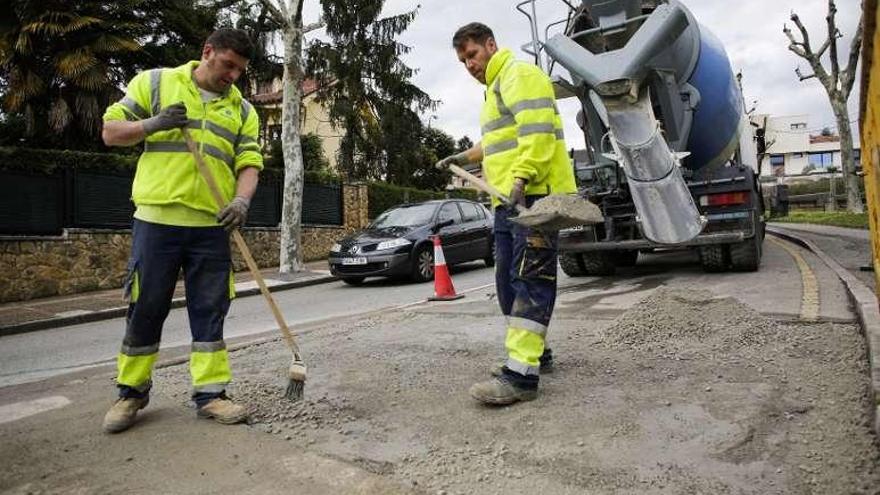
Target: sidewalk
(851, 248)
(51, 312)
(829, 230)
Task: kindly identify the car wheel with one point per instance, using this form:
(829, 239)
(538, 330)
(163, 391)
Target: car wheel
(423, 263)
(490, 260)
(353, 280)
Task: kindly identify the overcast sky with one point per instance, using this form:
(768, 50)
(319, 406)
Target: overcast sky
(751, 31)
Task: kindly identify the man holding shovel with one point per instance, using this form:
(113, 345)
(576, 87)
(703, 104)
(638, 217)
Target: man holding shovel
(523, 152)
(177, 224)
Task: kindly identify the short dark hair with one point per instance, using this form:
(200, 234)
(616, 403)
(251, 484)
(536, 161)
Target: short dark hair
(232, 39)
(475, 31)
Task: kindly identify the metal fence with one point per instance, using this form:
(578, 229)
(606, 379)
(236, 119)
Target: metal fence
(34, 204)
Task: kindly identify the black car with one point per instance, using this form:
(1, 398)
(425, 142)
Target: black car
(398, 242)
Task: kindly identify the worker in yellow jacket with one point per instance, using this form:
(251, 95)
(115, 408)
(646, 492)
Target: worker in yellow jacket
(523, 151)
(177, 224)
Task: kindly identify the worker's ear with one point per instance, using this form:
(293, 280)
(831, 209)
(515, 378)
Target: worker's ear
(207, 50)
(491, 46)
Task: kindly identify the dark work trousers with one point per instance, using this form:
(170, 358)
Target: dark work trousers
(158, 253)
(525, 270)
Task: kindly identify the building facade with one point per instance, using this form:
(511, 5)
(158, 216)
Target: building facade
(314, 117)
(794, 149)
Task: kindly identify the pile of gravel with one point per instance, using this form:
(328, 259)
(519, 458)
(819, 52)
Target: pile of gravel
(677, 319)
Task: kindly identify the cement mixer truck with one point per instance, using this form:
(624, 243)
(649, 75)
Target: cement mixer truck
(670, 155)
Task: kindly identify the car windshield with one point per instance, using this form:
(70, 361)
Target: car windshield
(405, 216)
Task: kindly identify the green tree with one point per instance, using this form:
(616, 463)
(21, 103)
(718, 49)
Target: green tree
(367, 89)
(314, 159)
(58, 65)
(255, 17)
(463, 144)
(436, 144)
(63, 61)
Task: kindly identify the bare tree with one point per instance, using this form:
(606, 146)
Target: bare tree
(288, 14)
(838, 83)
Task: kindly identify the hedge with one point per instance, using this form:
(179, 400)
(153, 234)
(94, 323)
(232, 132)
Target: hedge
(50, 161)
(384, 196)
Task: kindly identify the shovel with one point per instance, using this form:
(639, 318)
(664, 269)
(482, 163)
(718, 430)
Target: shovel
(549, 214)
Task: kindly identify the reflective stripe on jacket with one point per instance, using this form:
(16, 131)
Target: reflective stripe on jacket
(522, 130)
(225, 129)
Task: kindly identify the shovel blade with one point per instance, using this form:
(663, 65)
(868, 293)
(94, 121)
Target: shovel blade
(557, 212)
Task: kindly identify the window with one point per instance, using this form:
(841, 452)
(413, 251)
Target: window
(449, 212)
(822, 160)
(777, 160)
(798, 125)
(471, 213)
(857, 157)
(273, 133)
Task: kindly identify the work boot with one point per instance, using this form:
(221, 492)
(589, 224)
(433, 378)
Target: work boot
(546, 366)
(223, 411)
(121, 416)
(500, 391)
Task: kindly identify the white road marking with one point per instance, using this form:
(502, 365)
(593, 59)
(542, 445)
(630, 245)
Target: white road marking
(19, 410)
(73, 312)
(425, 300)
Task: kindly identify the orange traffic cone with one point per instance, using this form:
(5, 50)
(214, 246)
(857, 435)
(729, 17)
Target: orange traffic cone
(443, 289)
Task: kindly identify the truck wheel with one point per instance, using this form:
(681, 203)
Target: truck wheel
(597, 263)
(746, 256)
(572, 265)
(714, 258)
(626, 258)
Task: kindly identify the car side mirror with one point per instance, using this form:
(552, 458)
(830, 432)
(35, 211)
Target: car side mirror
(444, 223)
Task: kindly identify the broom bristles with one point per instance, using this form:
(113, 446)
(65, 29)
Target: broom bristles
(294, 390)
(296, 380)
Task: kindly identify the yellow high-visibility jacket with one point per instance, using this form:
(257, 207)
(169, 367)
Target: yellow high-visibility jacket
(522, 129)
(167, 186)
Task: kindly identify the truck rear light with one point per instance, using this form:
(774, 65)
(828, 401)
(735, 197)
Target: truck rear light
(724, 199)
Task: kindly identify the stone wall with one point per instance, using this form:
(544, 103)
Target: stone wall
(83, 260)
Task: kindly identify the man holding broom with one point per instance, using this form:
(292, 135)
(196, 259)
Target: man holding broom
(176, 222)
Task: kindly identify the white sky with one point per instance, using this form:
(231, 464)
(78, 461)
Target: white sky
(751, 31)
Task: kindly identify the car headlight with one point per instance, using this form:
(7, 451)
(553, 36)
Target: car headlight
(336, 247)
(396, 243)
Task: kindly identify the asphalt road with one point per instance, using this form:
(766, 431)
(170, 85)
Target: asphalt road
(33, 356)
(775, 289)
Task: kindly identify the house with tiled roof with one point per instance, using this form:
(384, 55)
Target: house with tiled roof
(314, 118)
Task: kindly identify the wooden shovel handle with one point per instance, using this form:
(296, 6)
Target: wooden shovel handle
(484, 186)
(242, 246)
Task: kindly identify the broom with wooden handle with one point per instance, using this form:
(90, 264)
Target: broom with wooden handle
(296, 374)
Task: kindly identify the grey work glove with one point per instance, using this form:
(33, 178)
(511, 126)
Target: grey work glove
(459, 159)
(517, 194)
(170, 117)
(234, 214)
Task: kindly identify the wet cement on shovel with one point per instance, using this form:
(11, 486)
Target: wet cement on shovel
(558, 212)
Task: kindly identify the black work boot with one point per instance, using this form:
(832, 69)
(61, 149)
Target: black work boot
(506, 389)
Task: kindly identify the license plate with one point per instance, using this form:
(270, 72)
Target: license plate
(354, 261)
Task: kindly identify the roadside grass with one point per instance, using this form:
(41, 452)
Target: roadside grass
(837, 219)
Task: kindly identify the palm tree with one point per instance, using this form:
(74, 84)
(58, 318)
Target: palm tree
(57, 64)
